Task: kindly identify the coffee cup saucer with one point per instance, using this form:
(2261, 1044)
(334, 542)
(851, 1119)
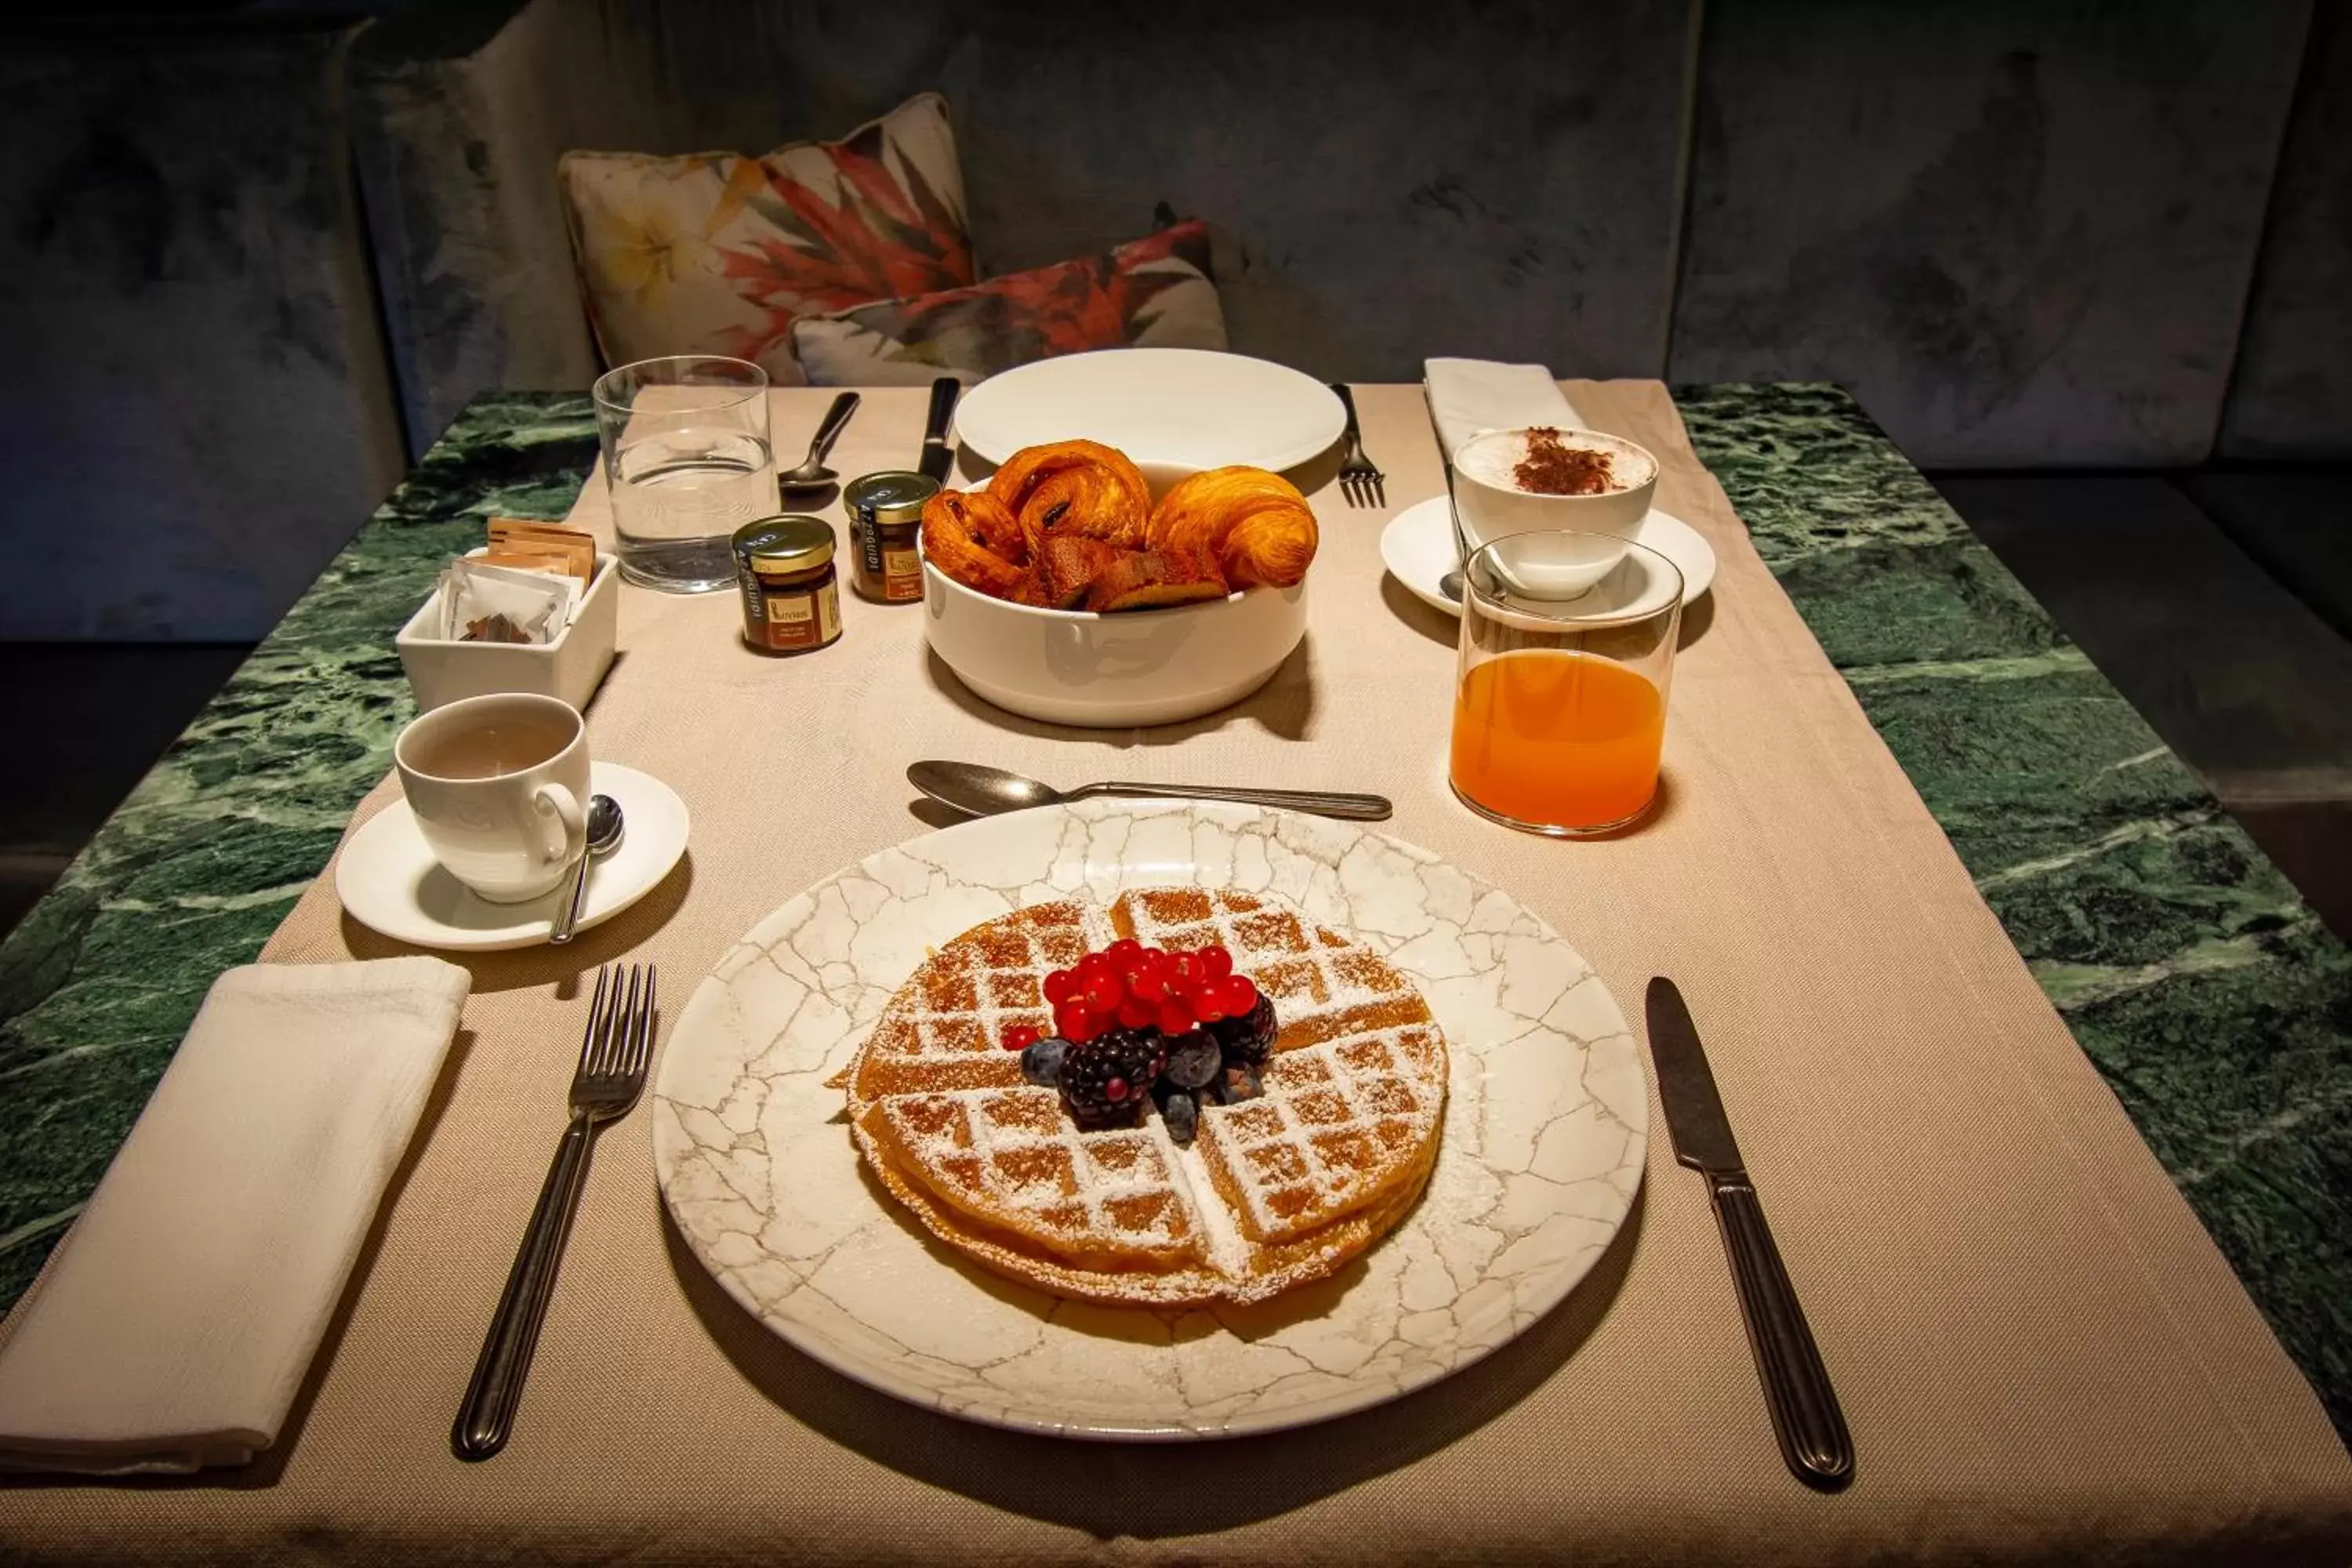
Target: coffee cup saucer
(389, 881)
(1418, 548)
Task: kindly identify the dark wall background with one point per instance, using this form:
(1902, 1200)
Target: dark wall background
(254, 257)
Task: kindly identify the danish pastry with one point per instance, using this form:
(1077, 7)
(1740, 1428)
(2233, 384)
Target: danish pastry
(972, 537)
(1147, 579)
(1076, 487)
(1254, 524)
(1067, 568)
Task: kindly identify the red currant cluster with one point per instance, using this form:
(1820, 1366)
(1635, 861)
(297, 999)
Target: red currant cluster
(1131, 987)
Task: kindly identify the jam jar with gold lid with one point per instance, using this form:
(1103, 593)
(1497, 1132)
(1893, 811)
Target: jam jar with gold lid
(792, 593)
(885, 520)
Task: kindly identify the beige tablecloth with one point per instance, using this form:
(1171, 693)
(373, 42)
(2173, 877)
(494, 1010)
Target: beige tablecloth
(2041, 1354)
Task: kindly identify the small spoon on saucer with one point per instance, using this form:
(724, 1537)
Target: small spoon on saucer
(1450, 585)
(813, 475)
(604, 832)
(984, 791)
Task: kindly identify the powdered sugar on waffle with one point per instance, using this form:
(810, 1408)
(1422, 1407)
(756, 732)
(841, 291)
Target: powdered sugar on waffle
(1016, 1150)
(946, 1030)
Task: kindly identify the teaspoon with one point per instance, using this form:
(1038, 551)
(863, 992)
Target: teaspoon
(812, 474)
(984, 791)
(604, 832)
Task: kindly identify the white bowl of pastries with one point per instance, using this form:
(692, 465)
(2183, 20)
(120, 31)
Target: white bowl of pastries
(1079, 587)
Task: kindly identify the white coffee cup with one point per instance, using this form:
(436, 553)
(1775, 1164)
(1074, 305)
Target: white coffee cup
(1492, 506)
(499, 785)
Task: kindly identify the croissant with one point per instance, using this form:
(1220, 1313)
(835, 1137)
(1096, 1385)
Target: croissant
(970, 535)
(1076, 487)
(1253, 523)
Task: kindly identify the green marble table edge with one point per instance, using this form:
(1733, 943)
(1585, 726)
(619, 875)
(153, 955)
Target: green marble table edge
(2138, 902)
(2211, 999)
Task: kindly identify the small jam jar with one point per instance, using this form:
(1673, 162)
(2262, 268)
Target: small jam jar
(886, 519)
(791, 596)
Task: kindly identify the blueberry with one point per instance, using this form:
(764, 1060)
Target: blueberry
(1240, 1083)
(1193, 1060)
(1041, 1062)
(1184, 1118)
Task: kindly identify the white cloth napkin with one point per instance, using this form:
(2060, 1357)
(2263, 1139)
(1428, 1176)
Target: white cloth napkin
(1467, 396)
(176, 1324)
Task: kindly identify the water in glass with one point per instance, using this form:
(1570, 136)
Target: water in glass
(677, 495)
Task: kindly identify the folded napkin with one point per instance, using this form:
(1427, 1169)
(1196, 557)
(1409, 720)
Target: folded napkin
(1467, 396)
(175, 1325)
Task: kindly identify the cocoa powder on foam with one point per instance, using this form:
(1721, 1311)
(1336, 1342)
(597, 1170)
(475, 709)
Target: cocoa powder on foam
(1541, 460)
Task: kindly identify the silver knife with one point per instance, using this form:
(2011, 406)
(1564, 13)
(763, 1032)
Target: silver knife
(937, 455)
(1805, 1414)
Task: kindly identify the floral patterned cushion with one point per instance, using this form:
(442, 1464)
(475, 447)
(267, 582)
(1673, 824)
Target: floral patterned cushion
(718, 253)
(1154, 293)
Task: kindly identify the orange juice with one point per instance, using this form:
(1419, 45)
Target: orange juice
(1561, 739)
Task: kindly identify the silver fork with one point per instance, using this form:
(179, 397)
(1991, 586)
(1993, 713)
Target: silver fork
(1360, 482)
(612, 1060)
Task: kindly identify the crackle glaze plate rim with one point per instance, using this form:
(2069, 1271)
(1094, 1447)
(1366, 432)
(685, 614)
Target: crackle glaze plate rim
(1547, 1127)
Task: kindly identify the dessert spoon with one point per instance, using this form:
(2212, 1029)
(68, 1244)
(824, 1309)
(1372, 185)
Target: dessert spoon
(982, 791)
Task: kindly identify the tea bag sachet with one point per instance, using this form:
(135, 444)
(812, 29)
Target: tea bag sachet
(486, 603)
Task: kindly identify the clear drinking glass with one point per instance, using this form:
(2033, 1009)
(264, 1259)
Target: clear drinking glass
(1567, 654)
(687, 463)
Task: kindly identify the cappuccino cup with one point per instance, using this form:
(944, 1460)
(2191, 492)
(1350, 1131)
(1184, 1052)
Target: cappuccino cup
(499, 786)
(1494, 501)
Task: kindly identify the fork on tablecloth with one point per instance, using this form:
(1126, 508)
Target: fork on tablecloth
(1362, 483)
(614, 1056)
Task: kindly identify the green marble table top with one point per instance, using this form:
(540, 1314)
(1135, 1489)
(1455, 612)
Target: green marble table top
(2215, 1003)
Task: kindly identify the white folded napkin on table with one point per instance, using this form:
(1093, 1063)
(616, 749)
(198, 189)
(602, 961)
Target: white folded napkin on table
(1467, 396)
(175, 1326)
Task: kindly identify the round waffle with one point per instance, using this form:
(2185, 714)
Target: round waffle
(1277, 1191)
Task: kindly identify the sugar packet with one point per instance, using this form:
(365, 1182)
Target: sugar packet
(545, 545)
(483, 603)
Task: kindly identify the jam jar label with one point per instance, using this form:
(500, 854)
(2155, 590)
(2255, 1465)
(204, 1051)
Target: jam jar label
(902, 575)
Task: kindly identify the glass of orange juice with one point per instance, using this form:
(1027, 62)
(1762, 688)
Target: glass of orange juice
(1559, 707)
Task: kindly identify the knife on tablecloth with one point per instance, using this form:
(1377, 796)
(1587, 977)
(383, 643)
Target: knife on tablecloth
(1805, 1414)
(937, 455)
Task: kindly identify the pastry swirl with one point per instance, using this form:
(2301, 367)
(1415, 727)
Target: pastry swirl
(971, 536)
(1076, 487)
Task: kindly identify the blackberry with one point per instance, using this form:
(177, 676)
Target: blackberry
(1249, 1038)
(1105, 1080)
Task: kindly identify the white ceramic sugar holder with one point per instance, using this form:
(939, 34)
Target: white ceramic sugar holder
(570, 667)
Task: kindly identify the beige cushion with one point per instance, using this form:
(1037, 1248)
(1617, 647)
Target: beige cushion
(719, 253)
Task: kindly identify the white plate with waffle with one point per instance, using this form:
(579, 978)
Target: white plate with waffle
(1546, 1114)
